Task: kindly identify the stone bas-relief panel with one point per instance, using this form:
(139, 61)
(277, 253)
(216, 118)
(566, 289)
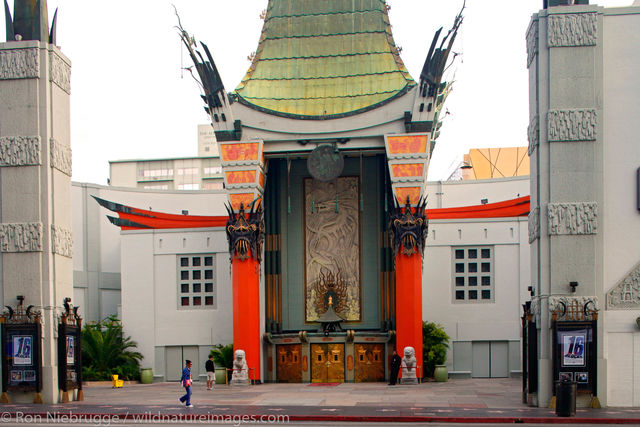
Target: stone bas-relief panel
(61, 241)
(572, 308)
(22, 237)
(19, 64)
(19, 150)
(572, 125)
(59, 72)
(533, 134)
(532, 42)
(573, 218)
(626, 293)
(534, 225)
(61, 157)
(575, 29)
(332, 243)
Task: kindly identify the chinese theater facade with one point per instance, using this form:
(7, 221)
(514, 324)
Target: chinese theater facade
(325, 147)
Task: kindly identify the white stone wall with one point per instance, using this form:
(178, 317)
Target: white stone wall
(620, 215)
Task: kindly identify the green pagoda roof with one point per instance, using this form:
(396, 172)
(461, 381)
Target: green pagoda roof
(320, 59)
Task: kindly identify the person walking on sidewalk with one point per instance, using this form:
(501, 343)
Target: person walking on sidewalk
(211, 372)
(186, 383)
(395, 367)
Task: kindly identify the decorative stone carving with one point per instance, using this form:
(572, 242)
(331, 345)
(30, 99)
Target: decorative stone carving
(19, 64)
(59, 72)
(573, 308)
(19, 150)
(533, 134)
(573, 218)
(240, 375)
(61, 241)
(534, 225)
(21, 237)
(409, 367)
(532, 41)
(575, 29)
(332, 247)
(572, 125)
(60, 156)
(626, 293)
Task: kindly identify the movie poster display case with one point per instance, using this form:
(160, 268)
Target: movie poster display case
(70, 352)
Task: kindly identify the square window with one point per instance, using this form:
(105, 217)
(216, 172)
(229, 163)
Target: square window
(208, 274)
(473, 294)
(196, 261)
(473, 267)
(208, 287)
(197, 287)
(459, 267)
(459, 253)
(208, 261)
(184, 301)
(197, 300)
(184, 288)
(459, 294)
(486, 267)
(184, 275)
(473, 281)
(485, 253)
(486, 294)
(486, 281)
(184, 262)
(473, 253)
(459, 281)
(208, 300)
(196, 274)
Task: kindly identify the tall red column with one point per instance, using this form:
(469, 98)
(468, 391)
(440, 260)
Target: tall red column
(409, 305)
(246, 311)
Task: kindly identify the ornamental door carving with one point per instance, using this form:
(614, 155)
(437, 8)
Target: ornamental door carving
(289, 363)
(327, 363)
(369, 362)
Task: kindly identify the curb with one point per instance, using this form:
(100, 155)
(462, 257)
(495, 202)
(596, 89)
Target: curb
(149, 417)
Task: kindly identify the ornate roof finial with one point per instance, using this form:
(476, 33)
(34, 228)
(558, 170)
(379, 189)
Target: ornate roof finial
(30, 22)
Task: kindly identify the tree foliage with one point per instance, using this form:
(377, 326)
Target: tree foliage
(107, 351)
(435, 343)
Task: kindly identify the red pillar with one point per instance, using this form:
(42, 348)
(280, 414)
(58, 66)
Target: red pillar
(409, 305)
(246, 311)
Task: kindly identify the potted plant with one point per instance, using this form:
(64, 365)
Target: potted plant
(223, 359)
(435, 343)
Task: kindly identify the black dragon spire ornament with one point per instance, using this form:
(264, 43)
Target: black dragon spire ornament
(408, 228)
(245, 232)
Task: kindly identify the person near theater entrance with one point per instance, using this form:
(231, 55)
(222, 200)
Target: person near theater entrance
(211, 372)
(395, 368)
(186, 383)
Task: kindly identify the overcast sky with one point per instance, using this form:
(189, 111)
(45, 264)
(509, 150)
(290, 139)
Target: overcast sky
(129, 99)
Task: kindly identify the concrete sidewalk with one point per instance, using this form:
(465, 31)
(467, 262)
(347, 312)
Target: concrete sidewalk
(468, 400)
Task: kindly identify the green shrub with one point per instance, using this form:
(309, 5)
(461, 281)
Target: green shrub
(223, 357)
(107, 351)
(435, 343)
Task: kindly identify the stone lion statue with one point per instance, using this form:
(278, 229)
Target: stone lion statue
(240, 374)
(409, 366)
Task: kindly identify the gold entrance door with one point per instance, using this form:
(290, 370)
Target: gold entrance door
(289, 363)
(327, 364)
(369, 362)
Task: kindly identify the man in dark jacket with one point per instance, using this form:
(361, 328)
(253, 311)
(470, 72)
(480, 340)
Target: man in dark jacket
(211, 372)
(186, 383)
(395, 368)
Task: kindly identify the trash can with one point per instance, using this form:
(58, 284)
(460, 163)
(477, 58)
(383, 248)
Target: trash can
(566, 398)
